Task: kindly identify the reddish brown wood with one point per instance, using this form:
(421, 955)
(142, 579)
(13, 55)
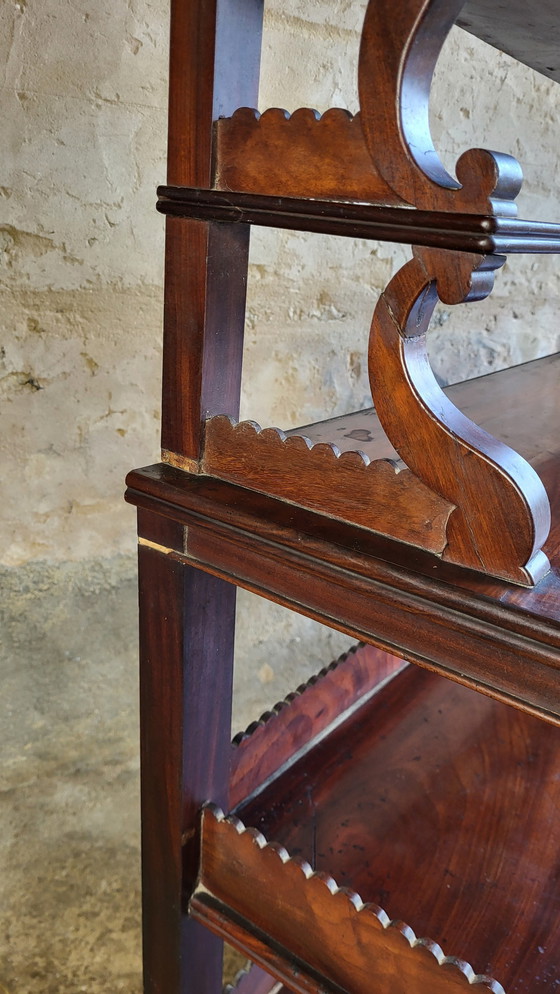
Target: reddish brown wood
(205, 266)
(185, 690)
(441, 806)
(386, 496)
(294, 723)
(480, 631)
(502, 514)
(394, 102)
(161, 531)
(464, 232)
(323, 937)
(501, 639)
(299, 155)
(520, 405)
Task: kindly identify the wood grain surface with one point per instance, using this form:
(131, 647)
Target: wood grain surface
(473, 232)
(380, 495)
(394, 93)
(304, 154)
(501, 515)
(489, 634)
(185, 698)
(440, 806)
(205, 267)
(470, 497)
(321, 938)
(528, 32)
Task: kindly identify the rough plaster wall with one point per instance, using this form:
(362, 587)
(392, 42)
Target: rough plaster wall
(83, 148)
(84, 98)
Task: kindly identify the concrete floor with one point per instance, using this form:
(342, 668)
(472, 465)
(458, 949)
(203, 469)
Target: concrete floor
(69, 819)
(69, 843)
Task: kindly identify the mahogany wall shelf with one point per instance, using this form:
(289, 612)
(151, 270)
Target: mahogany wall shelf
(427, 526)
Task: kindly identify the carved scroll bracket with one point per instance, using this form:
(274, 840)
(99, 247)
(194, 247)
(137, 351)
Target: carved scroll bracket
(502, 514)
(398, 54)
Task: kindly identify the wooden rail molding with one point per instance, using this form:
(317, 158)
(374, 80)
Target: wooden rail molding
(250, 889)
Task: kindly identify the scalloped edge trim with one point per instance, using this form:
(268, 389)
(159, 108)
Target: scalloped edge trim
(358, 457)
(279, 115)
(270, 153)
(386, 497)
(281, 705)
(464, 970)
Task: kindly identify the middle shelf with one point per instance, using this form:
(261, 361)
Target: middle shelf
(346, 468)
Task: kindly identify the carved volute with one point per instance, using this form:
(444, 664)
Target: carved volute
(394, 101)
(502, 514)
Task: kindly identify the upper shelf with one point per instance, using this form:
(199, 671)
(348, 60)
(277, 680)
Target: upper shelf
(530, 32)
(437, 229)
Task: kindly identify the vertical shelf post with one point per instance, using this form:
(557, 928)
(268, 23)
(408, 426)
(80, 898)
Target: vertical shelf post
(187, 620)
(214, 67)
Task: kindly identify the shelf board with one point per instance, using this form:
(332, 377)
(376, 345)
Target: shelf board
(529, 33)
(465, 232)
(440, 806)
(502, 639)
(519, 406)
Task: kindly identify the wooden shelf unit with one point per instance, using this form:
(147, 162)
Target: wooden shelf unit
(428, 527)
(397, 805)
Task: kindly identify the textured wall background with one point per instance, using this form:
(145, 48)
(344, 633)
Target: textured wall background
(83, 146)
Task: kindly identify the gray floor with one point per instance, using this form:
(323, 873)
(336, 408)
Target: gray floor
(69, 796)
(69, 842)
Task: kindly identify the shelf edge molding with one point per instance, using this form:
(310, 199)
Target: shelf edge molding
(250, 889)
(271, 742)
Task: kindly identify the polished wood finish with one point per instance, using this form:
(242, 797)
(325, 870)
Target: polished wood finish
(519, 406)
(185, 695)
(205, 266)
(394, 101)
(440, 229)
(501, 515)
(294, 723)
(472, 499)
(324, 937)
(304, 154)
(386, 497)
(486, 633)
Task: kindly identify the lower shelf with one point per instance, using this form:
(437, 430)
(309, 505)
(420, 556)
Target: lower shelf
(432, 802)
